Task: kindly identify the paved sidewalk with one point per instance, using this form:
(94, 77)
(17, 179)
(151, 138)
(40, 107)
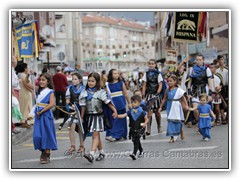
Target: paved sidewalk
(26, 134)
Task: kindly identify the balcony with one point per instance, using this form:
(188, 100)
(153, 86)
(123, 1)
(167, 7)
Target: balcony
(221, 31)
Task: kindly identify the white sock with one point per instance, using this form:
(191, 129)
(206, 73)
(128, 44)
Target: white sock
(92, 153)
(101, 151)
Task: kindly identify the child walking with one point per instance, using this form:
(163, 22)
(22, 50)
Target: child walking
(91, 102)
(151, 87)
(137, 122)
(44, 135)
(174, 97)
(118, 92)
(72, 96)
(204, 121)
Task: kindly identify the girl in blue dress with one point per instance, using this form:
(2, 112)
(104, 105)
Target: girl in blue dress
(118, 93)
(44, 135)
(175, 100)
(205, 113)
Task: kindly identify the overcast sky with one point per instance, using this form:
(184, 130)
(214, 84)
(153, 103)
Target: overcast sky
(139, 16)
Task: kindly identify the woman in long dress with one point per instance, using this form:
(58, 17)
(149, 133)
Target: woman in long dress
(25, 94)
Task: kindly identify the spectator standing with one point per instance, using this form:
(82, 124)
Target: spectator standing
(223, 70)
(60, 85)
(25, 93)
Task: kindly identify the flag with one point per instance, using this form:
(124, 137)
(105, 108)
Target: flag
(165, 20)
(27, 40)
(186, 26)
(202, 29)
(169, 24)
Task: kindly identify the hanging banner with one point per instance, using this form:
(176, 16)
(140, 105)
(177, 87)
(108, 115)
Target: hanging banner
(27, 40)
(186, 26)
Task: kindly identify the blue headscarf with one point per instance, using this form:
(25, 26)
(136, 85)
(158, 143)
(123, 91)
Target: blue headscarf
(197, 70)
(77, 89)
(90, 92)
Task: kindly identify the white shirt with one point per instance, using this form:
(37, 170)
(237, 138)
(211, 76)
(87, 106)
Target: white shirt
(224, 73)
(216, 82)
(15, 81)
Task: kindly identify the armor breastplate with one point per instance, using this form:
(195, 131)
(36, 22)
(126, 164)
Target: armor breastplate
(152, 83)
(136, 124)
(200, 80)
(94, 106)
(73, 96)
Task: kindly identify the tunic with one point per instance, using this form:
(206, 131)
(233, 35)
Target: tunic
(175, 114)
(44, 134)
(119, 126)
(204, 121)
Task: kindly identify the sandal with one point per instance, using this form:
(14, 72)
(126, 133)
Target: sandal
(218, 123)
(44, 157)
(70, 151)
(25, 125)
(100, 157)
(171, 140)
(89, 157)
(224, 122)
(81, 150)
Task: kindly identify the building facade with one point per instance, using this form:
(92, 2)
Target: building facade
(109, 42)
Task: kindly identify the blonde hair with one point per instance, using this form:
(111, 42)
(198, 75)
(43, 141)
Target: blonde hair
(203, 95)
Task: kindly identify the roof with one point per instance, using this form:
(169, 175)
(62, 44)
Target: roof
(112, 21)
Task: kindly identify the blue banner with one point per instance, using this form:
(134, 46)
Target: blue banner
(25, 35)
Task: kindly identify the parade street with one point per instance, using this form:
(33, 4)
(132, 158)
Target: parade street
(192, 152)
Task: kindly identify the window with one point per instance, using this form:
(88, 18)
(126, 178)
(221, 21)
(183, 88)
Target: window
(112, 32)
(99, 30)
(99, 42)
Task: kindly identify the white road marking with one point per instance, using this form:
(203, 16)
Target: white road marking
(147, 140)
(193, 148)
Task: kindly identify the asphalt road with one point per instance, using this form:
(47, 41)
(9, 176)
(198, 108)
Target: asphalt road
(192, 152)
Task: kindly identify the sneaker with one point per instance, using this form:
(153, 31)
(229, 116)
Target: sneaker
(111, 139)
(100, 157)
(206, 139)
(122, 139)
(133, 156)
